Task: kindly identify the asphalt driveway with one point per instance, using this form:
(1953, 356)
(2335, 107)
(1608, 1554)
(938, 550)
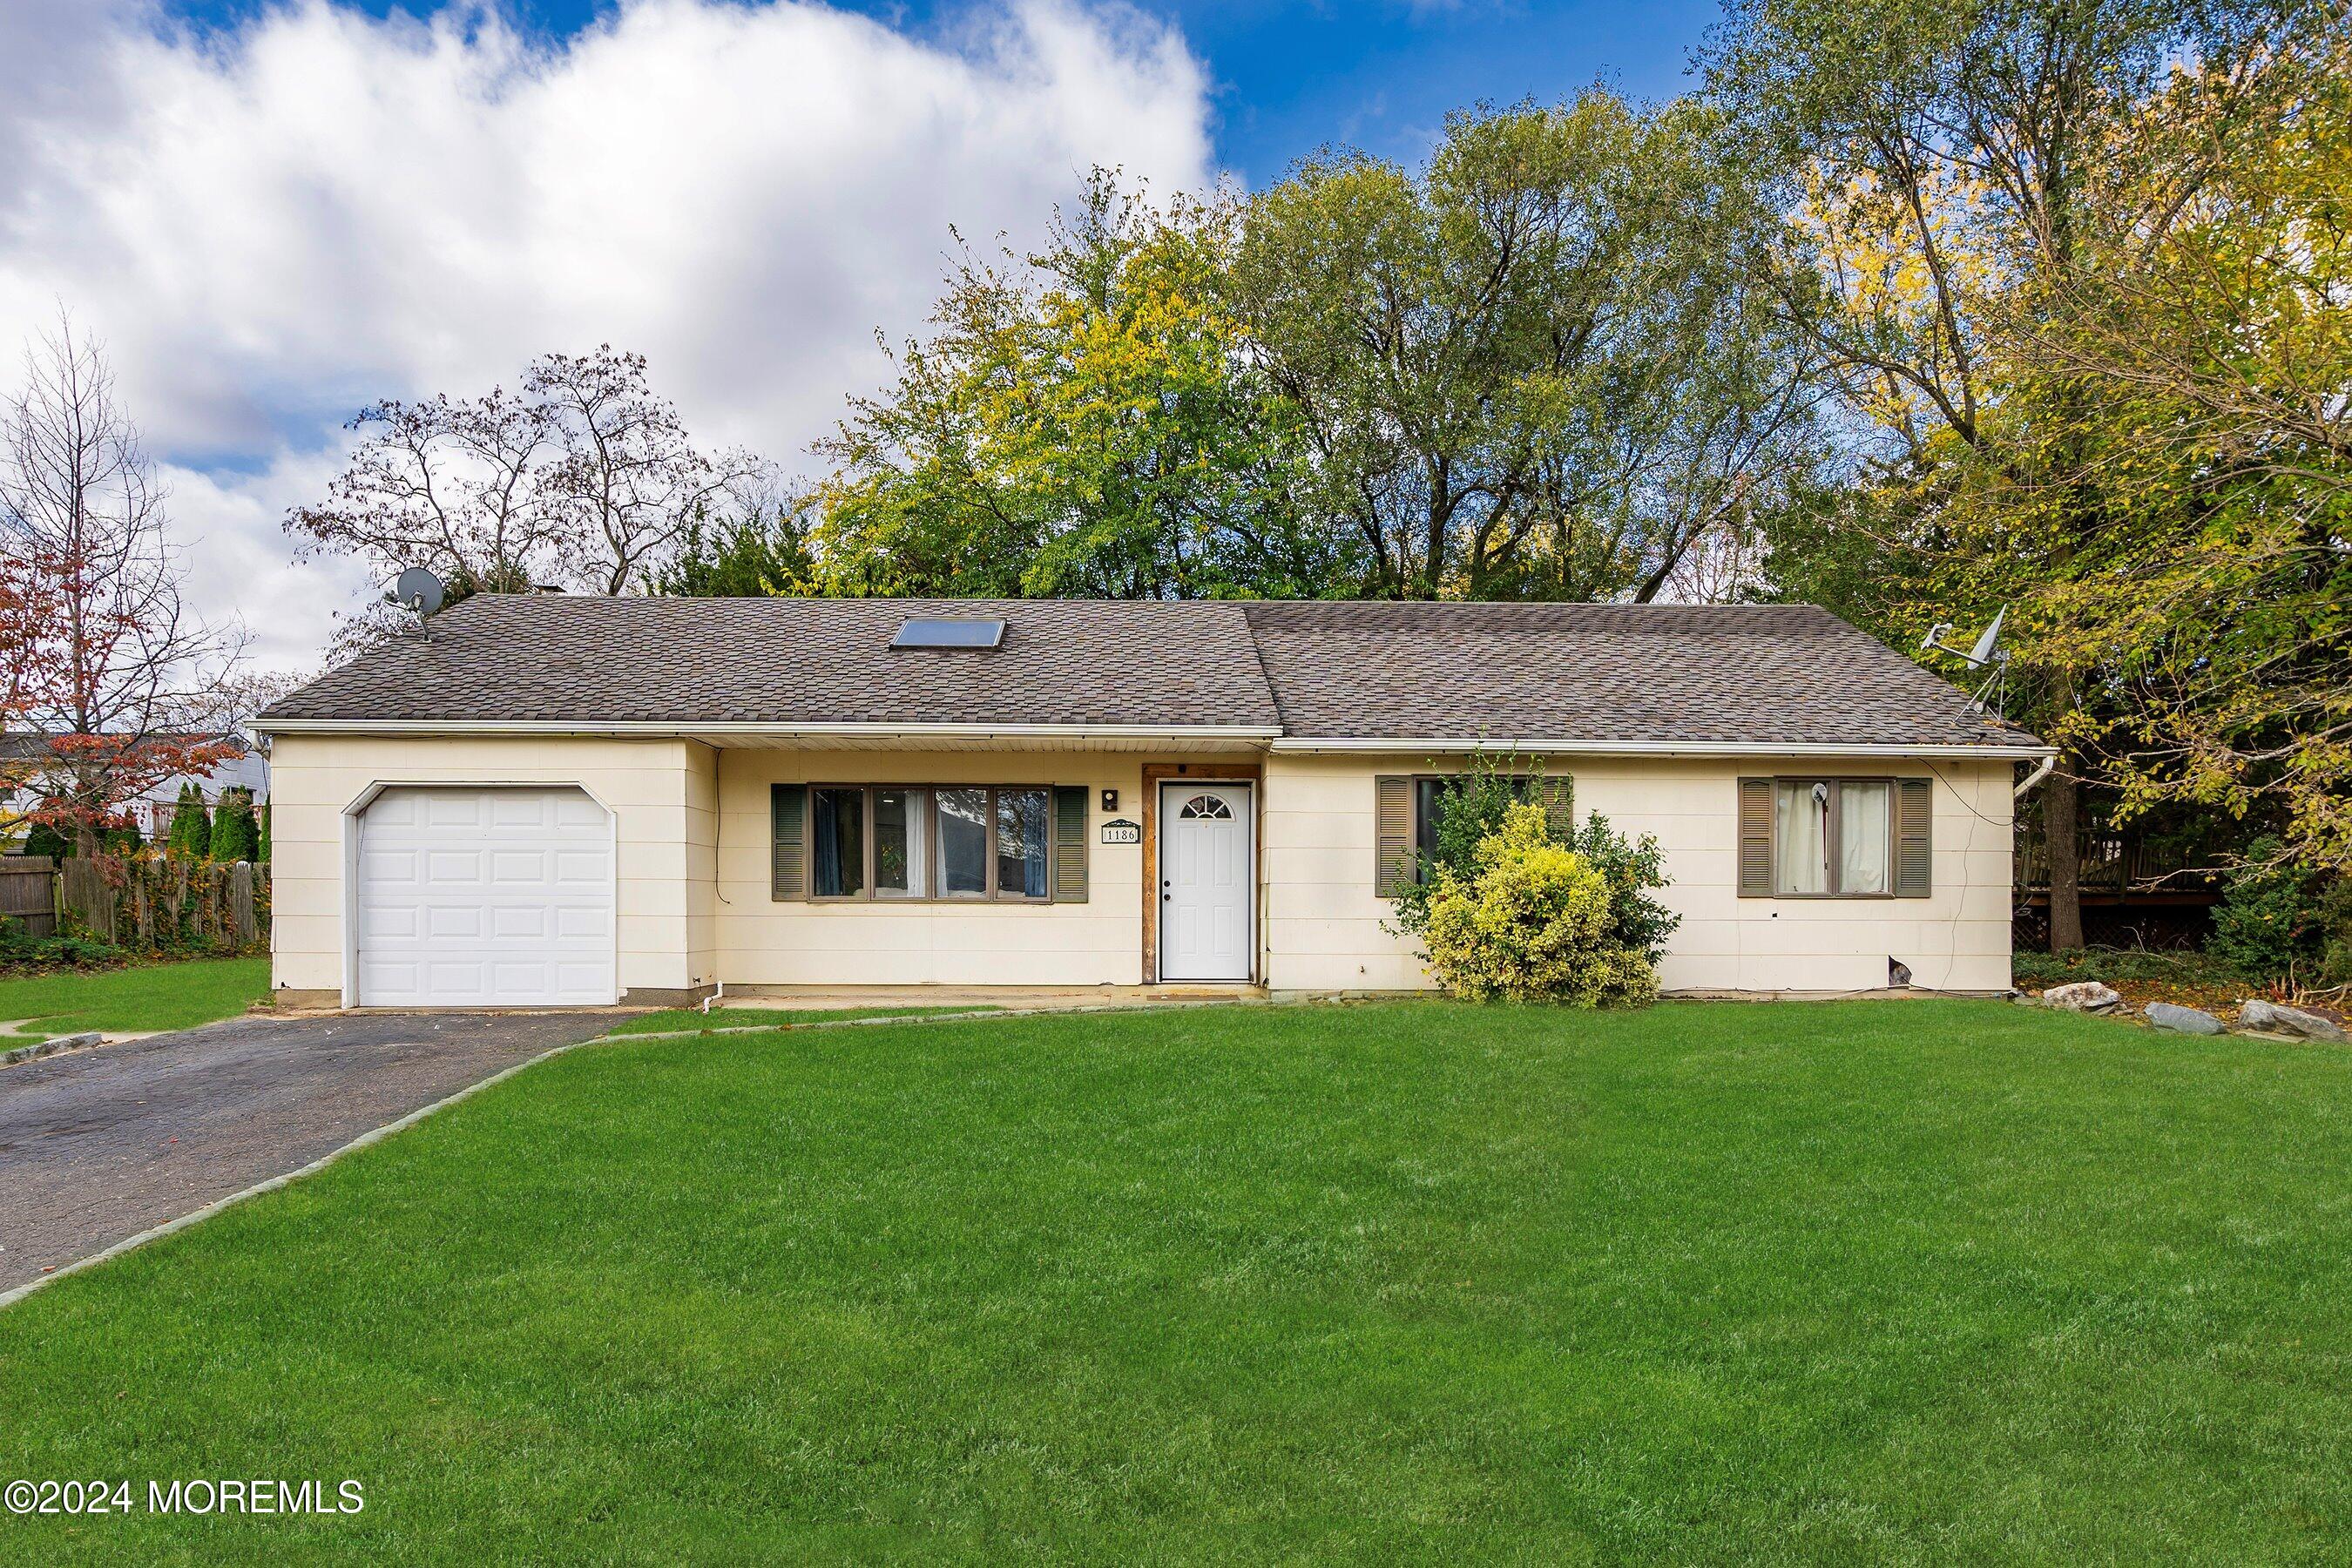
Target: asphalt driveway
(101, 1144)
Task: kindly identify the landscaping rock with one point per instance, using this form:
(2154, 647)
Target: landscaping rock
(2253, 1014)
(2174, 1020)
(2082, 996)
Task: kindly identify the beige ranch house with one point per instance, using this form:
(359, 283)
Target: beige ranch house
(544, 801)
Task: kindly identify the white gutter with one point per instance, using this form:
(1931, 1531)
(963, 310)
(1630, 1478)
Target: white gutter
(677, 729)
(1447, 744)
(2041, 770)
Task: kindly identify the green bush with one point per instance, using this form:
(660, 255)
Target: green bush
(21, 951)
(2270, 921)
(261, 852)
(44, 839)
(235, 834)
(1532, 923)
(1636, 920)
(2335, 908)
(1472, 811)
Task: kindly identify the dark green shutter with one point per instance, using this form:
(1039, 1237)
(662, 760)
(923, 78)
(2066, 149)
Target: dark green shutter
(1392, 843)
(788, 845)
(1755, 838)
(1914, 806)
(1558, 797)
(1069, 844)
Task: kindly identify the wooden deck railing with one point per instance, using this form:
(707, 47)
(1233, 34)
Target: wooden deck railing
(2118, 863)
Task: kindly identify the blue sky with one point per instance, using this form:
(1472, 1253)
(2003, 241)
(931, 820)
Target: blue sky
(1289, 75)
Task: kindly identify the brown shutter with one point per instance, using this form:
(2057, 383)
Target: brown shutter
(1393, 845)
(1914, 806)
(1558, 797)
(1069, 844)
(788, 843)
(1755, 838)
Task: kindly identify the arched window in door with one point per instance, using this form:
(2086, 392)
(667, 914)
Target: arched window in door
(1206, 808)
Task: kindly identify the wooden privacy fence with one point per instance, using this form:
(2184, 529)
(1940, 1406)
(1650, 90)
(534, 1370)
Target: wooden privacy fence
(26, 892)
(151, 904)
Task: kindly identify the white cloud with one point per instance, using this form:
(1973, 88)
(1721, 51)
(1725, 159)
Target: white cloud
(270, 225)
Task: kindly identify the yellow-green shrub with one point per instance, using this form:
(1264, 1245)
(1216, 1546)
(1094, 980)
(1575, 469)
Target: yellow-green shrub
(1530, 923)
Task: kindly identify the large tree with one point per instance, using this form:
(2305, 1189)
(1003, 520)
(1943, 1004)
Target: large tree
(1540, 366)
(585, 478)
(2208, 358)
(122, 679)
(625, 477)
(1085, 420)
(1951, 172)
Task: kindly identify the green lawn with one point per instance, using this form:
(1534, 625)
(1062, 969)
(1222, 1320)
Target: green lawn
(753, 1017)
(1923, 1282)
(144, 997)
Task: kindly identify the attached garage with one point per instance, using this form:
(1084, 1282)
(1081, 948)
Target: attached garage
(483, 896)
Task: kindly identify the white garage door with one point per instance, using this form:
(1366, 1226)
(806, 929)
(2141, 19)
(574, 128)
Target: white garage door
(485, 898)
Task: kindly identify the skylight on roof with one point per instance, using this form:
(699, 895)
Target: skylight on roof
(949, 632)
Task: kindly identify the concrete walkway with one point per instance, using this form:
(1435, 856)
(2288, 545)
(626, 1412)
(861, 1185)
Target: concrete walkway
(1024, 997)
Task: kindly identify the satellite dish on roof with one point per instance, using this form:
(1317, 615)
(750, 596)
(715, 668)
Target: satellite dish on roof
(1987, 654)
(1986, 650)
(418, 590)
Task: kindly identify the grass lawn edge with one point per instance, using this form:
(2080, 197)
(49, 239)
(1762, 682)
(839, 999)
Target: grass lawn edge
(376, 1135)
(286, 1179)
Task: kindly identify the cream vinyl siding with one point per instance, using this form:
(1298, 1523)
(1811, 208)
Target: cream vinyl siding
(692, 828)
(646, 785)
(883, 942)
(1324, 924)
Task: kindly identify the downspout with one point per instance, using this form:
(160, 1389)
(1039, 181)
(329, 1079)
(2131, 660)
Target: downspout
(2042, 769)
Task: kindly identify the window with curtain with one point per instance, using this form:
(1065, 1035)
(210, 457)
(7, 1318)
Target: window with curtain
(1863, 837)
(912, 841)
(837, 843)
(1831, 837)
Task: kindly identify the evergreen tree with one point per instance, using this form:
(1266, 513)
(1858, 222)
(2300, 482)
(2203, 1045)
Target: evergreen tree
(191, 834)
(236, 835)
(261, 854)
(46, 840)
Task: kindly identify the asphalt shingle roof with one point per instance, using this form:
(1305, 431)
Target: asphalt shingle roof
(1769, 673)
(803, 661)
(1329, 670)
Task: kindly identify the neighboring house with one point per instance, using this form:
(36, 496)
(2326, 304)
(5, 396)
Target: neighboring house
(24, 758)
(555, 800)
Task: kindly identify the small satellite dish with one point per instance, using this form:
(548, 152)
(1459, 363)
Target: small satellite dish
(418, 590)
(1986, 650)
(1988, 653)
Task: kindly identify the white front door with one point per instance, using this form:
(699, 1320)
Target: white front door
(483, 897)
(1205, 887)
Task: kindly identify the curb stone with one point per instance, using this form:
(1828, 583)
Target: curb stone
(41, 1049)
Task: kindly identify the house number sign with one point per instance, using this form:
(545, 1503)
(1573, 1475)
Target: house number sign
(1122, 832)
